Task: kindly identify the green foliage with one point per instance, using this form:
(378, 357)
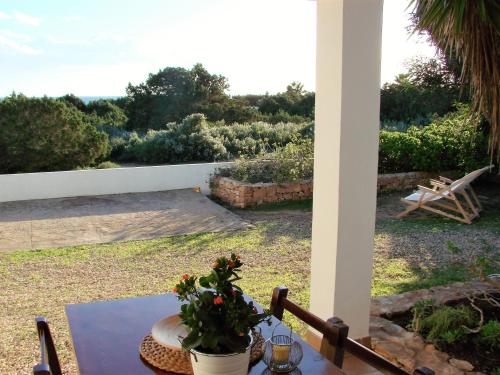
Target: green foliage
(443, 323)
(217, 315)
(42, 134)
(194, 139)
(429, 88)
(172, 94)
(74, 101)
(291, 163)
(107, 165)
(454, 141)
(490, 335)
(105, 112)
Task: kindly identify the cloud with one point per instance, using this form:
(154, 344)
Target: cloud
(67, 41)
(72, 18)
(4, 16)
(27, 19)
(18, 47)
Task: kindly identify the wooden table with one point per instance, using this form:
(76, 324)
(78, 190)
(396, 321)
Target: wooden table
(106, 337)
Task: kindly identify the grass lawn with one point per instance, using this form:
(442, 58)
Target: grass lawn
(409, 254)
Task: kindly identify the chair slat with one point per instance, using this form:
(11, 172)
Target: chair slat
(49, 363)
(335, 340)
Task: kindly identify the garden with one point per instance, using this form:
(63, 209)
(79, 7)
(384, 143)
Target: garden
(409, 255)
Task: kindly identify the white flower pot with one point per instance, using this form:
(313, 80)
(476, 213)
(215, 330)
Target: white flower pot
(221, 364)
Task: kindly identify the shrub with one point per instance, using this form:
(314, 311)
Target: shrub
(194, 139)
(454, 141)
(42, 134)
(291, 163)
(490, 334)
(443, 323)
(107, 165)
(104, 112)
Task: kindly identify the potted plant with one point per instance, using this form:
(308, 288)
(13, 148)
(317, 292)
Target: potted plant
(219, 320)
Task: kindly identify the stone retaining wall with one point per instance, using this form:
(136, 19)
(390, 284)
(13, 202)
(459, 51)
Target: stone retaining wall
(409, 180)
(243, 194)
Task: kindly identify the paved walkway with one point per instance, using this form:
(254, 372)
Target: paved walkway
(60, 222)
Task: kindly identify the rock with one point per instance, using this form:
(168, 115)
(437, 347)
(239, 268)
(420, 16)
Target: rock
(430, 348)
(397, 353)
(461, 364)
(432, 360)
(415, 342)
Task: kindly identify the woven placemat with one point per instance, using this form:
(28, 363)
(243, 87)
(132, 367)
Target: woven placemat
(179, 361)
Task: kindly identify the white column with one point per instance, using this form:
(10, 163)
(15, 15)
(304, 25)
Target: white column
(349, 36)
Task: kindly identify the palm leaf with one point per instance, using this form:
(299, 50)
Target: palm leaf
(469, 29)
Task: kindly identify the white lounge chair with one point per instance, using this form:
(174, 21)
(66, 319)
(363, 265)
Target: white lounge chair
(443, 197)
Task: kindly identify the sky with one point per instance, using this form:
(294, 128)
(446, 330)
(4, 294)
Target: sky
(96, 47)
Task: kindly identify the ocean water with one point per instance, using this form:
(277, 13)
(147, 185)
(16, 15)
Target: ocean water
(88, 99)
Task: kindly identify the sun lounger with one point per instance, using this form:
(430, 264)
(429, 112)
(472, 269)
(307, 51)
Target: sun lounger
(444, 198)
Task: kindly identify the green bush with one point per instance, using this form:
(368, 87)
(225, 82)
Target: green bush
(291, 163)
(104, 112)
(443, 323)
(490, 335)
(194, 139)
(42, 134)
(454, 141)
(107, 165)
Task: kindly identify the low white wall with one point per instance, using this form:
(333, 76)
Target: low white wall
(26, 186)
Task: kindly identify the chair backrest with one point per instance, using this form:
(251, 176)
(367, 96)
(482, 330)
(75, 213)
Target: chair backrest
(49, 363)
(468, 178)
(334, 330)
(335, 341)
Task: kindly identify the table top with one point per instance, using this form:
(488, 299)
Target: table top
(106, 337)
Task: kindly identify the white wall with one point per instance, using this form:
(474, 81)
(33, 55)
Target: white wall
(26, 186)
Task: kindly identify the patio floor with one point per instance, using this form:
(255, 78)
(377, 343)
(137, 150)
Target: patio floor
(60, 222)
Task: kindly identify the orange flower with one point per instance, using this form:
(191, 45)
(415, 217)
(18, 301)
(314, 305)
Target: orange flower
(254, 310)
(231, 264)
(240, 334)
(174, 290)
(218, 300)
(238, 257)
(185, 277)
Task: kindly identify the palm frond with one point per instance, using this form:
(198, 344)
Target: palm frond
(470, 29)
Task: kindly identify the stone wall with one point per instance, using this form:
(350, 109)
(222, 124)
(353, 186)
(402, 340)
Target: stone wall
(243, 194)
(409, 180)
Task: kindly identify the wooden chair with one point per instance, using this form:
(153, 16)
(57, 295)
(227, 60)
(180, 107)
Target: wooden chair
(49, 363)
(335, 340)
(443, 198)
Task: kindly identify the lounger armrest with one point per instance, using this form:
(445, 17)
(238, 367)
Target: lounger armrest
(438, 184)
(444, 179)
(432, 191)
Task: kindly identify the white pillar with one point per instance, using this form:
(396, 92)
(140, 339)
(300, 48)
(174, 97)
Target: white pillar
(349, 36)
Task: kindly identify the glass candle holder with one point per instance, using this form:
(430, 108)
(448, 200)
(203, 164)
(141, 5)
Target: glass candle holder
(281, 345)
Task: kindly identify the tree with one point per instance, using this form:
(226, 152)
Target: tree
(469, 30)
(105, 112)
(74, 101)
(429, 88)
(43, 134)
(172, 94)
